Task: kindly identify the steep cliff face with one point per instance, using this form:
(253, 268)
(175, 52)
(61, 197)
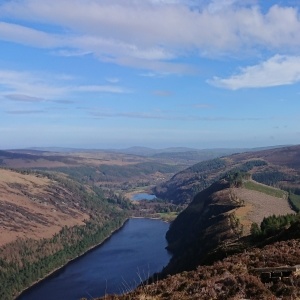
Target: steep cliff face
(202, 226)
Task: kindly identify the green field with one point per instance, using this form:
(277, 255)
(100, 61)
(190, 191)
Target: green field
(295, 200)
(250, 185)
(168, 217)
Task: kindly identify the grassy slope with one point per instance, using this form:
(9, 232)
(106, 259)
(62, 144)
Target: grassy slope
(295, 201)
(252, 185)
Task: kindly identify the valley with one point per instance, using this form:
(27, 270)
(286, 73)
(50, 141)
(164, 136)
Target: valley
(214, 242)
(123, 119)
(57, 205)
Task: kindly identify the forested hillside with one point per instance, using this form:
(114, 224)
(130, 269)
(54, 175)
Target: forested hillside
(278, 167)
(47, 220)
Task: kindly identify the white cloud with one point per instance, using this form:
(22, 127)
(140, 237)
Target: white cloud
(24, 112)
(138, 33)
(70, 53)
(113, 80)
(24, 98)
(36, 87)
(278, 70)
(100, 89)
(30, 84)
(29, 36)
(159, 115)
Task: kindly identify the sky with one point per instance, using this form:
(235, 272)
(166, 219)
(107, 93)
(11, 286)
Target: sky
(153, 73)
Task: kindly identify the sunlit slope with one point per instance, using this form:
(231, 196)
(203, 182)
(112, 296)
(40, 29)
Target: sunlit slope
(34, 206)
(46, 220)
(260, 201)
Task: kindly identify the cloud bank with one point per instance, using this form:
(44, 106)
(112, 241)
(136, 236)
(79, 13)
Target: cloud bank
(151, 34)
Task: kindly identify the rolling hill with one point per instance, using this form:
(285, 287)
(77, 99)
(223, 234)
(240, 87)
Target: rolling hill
(279, 167)
(34, 206)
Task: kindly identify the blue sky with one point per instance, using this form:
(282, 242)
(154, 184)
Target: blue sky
(156, 73)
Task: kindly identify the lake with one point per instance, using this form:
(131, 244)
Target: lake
(143, 196)
(133, 253)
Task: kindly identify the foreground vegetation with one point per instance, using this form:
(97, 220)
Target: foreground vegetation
(231, 278)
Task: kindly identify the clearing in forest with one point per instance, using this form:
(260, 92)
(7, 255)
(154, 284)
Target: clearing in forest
(260, 201)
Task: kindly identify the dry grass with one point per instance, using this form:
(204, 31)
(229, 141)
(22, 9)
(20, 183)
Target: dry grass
(259, 205)
(230, 278)
(56, 160)
(26, 210)
(243, 214)
(106, 158)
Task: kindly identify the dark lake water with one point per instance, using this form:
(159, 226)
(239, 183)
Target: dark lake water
(133, 253)
(143, 196)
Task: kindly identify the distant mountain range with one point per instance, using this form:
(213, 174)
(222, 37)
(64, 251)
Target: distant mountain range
(146, 151)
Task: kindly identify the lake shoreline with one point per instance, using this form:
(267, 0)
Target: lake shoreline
(89, 273)
(151, 218)
(58, 269)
